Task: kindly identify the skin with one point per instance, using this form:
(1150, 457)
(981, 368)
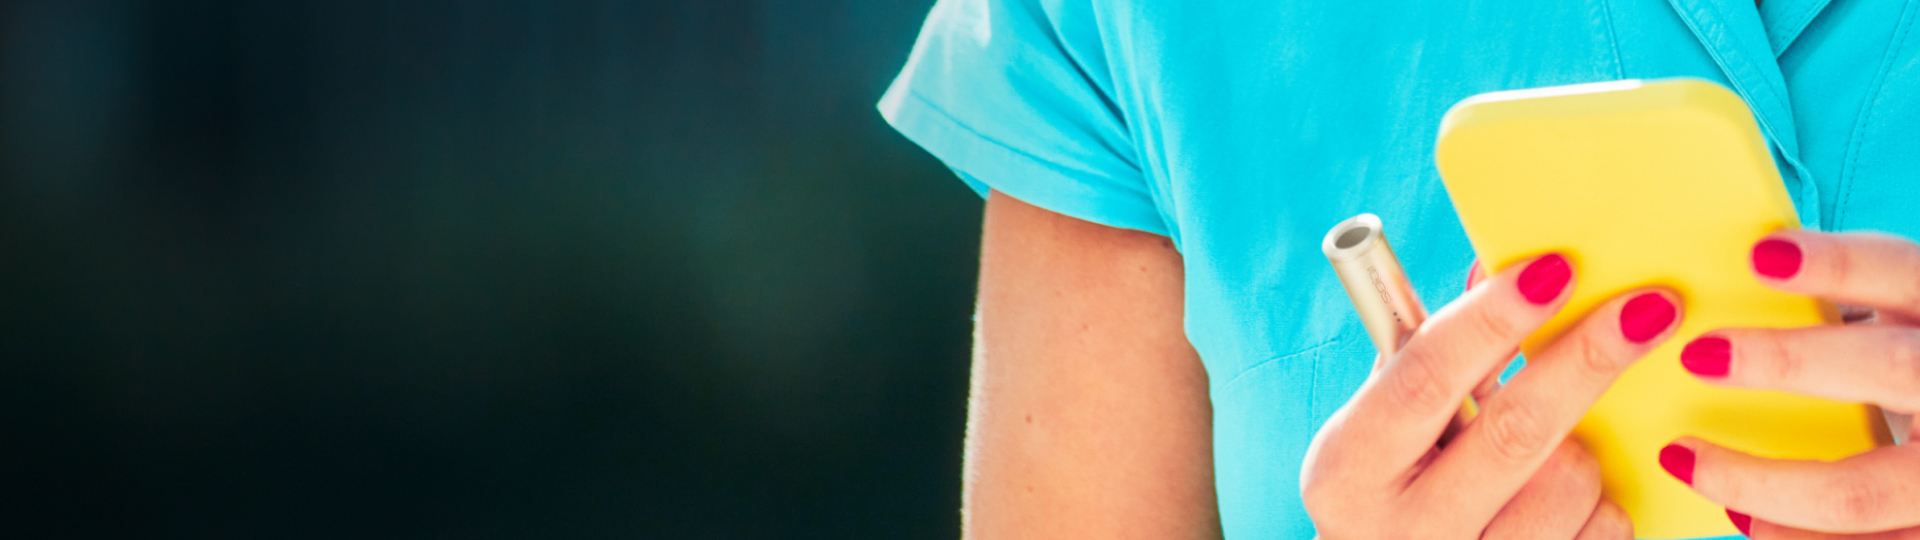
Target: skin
(1375, 470)
(1089, 415)
(1871, 495)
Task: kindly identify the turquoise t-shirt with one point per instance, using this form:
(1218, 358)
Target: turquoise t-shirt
(1243, 129)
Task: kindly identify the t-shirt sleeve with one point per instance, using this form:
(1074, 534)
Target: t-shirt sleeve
(1017, 96)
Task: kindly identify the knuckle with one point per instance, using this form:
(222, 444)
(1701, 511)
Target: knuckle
(1782, 362)
(1340, 513)
(1318, 498)
(1857, 499)
(1494, 326)
(1594, 358)
(1421, 385)
(1322, 490)
(1576, 470)
(1575, 477)
(1909, 259)
(1730, 486)
(1903, 357)
(1568, 462)
(1908, 295)
(1909, 298)
(1515, 434)
(1840, 267)
(1580, 462)
(1609, 522)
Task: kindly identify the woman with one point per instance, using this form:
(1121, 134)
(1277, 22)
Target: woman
(1160, 340)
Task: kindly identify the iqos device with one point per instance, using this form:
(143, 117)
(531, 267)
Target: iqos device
(1374, 281)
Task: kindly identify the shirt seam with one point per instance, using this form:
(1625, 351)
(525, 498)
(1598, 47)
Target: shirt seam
(935, 108)
(1613, 38)
(1058, 168)
(1263, 363)
(1738, 69)
(1894, 46)
(1799, 26)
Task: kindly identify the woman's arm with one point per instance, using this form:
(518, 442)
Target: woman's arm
(1089, 415)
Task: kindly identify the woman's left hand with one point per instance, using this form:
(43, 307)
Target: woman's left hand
(1874, 494)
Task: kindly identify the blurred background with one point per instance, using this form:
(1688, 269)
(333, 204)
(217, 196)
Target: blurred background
(474, 269)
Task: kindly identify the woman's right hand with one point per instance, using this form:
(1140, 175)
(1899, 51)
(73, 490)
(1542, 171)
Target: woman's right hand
(1376, 469)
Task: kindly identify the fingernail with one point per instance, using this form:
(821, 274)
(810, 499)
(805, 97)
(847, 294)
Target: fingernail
(1741, 521)
(1678, 461)
(1645, 316)
(1707, 356)
(1543, 280)
(1473, 273)
(1776, 258)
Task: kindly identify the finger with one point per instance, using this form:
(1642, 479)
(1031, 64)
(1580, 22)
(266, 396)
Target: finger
(1400, 412)
(1872, 491)
(1475, 275)
(1488, 386)
(1555, 503)
(1491, 383)
(1857, 364)
(1608, 522)
(1865, 269)
(1761, 530)
(1538, 407)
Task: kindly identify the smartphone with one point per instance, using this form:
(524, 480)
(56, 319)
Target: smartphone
(1648, 183)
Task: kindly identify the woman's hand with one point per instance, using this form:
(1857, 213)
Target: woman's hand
(1877, 362)
(1374, 470)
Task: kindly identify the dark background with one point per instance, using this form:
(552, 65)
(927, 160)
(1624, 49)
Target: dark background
(474, 269)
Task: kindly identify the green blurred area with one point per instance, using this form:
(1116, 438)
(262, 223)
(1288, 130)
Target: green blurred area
(475, 269)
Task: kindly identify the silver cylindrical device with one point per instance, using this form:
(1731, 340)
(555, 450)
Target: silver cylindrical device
(1900, 425)
(1374, 280)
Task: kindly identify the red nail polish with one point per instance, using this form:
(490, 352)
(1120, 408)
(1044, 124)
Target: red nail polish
(1776, 258)
(1645, 316)
(1678, 461)
(1473, 274)
(1741, 521)
(1707, 356)
(1543, 280)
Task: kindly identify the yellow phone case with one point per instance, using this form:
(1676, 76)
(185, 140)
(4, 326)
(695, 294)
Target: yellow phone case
(1641, 183)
